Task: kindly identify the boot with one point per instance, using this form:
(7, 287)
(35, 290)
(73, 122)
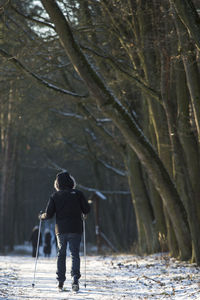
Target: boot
(75, 284)
(60, 285)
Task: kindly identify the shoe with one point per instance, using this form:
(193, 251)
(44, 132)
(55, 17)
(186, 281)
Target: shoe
(60, 286)
(75, 284)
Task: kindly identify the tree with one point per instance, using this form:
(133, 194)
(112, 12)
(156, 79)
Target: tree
(146, 87)
(133, 135)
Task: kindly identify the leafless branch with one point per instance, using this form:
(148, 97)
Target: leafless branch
(103, 192)
(59, 168)
(39, 22)
(138, 81)
(2, 7)
(115, 170)
(41, 81)
(67, 114)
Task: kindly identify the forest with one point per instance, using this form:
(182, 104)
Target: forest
(108, 90)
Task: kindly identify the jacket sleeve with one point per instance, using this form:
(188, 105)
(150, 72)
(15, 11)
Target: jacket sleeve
(85, 207)
(50, 209)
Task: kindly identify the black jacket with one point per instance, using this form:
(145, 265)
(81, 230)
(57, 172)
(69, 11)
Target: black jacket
(68, 205)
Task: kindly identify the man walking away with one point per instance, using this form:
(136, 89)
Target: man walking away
(68, 204)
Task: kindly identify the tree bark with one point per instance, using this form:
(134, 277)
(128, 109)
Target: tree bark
(154, 124)
(171, 237)
(186, 135)
(183, 181)
(190, 18)
(143, 209)
(191, 71)
(7, 153)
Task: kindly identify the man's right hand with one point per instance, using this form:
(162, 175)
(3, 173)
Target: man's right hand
(42, 216)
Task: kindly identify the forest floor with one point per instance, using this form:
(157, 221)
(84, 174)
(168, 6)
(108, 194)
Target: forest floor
(108, 277)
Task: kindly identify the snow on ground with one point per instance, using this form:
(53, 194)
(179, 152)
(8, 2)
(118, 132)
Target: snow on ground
(112, 277)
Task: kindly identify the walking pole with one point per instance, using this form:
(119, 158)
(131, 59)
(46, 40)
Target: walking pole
(84, 242)
(38, 241)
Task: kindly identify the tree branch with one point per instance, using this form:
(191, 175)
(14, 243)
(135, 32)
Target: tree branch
(103, 192)
(102, 130)
(115, 170)
(190, 18)
(41, 23)
(61, 169)
(41, 81)
(66, 114)
(139, 82)
(2, 7)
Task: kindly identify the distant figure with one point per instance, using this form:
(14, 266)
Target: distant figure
(34, 239)
(47, 243)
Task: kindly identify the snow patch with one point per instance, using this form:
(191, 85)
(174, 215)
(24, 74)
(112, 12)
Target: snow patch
(108, 277)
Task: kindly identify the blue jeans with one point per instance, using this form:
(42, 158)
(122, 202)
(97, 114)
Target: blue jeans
(74, 240)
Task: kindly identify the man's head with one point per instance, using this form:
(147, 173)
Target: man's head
(63, 181)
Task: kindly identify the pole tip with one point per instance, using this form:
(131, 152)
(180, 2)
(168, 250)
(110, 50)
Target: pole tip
(33, 284)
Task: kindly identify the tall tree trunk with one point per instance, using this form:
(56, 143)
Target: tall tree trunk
(10, 191)
(6, 171)
(186, 135)
(191, 71)
(171, 237)
(193, 79)
(183, 181)
(155, 125)
(143, 210)
(112, 108)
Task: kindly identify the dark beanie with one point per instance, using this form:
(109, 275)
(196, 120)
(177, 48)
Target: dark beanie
(64, 181)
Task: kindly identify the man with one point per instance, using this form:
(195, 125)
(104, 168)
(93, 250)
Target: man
(68, 204)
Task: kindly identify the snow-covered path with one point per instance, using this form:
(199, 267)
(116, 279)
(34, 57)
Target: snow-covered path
(113, 277)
